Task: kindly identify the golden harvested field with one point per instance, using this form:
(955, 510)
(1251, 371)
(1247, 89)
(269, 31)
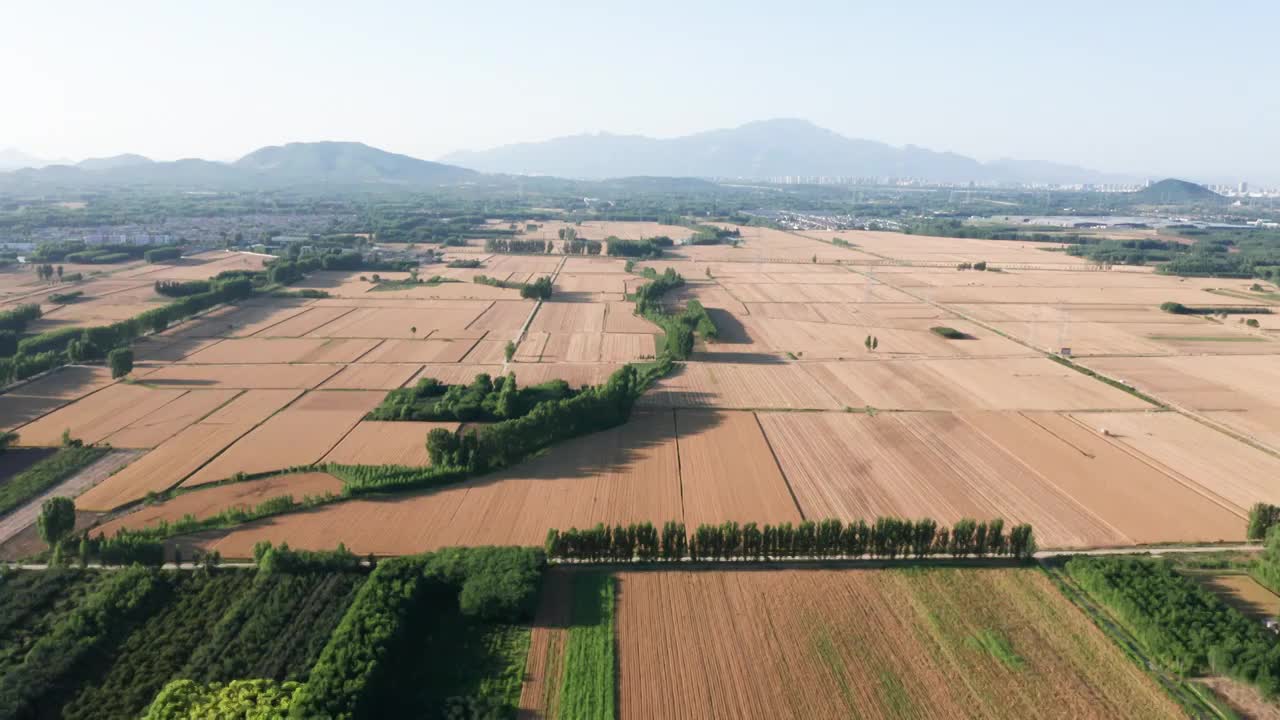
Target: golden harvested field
(966, 384)
(627, 474)
(268, 350)
(950, 251)
(207, 502)
(301, 434)
(163, 467)
(503, 316)
(311, 319)
(620, 317)
(1084, 464)
(586, 285)
(419, 351)
(162, 424)
(775, 384)
(369, 322)
(772, 329)
(563, 317)
(386, 443)
(1105, 338)
(1242, 392)
(97, 415)
(854, 466)
(374, 376)
(241, 376)
(793, 292)
(727, 471)
(252, 407)
(981, 427)
(487, 352)
(1236, 473)
(179, 456)
(1081, 294)
(1042, 468)
(943, 643)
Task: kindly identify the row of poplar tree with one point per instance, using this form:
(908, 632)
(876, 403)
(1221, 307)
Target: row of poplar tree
(884, 538)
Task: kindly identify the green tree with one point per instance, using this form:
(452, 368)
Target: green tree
(1262, 516)
(510, 350)
(121, 362)
(57, 519)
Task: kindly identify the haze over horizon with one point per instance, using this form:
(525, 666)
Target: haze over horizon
(1152, 89)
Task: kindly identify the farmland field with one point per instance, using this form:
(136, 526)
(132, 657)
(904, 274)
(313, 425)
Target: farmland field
(944, 643)
(825, 391)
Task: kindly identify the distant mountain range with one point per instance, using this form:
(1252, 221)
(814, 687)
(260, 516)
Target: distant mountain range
(319, 163)
(758, 150)
(769, 149)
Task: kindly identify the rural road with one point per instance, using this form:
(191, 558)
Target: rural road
(20, 519)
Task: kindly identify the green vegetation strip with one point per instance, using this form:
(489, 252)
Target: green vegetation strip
(884, 538)
(589, 674)
(45, 474)
(1181, 623)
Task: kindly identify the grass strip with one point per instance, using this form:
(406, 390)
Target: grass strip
(45, 474)
(587, 683)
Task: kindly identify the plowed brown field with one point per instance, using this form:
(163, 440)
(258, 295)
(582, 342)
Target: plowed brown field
(727, 471)
(867, 643)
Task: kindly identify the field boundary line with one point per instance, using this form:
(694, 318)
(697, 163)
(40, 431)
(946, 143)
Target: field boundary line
(474, 344)
(778, 464)
(371, 349)
(675, 432)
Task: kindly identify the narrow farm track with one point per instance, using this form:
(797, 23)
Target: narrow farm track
(22, 518)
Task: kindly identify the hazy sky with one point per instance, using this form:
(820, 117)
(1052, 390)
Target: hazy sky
(1173, 87)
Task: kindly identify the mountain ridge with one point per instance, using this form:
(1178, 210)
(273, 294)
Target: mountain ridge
(300, 163)
(757, 150)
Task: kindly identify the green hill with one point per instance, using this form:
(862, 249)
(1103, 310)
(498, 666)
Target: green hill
(347, 162)
(1175, 192)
